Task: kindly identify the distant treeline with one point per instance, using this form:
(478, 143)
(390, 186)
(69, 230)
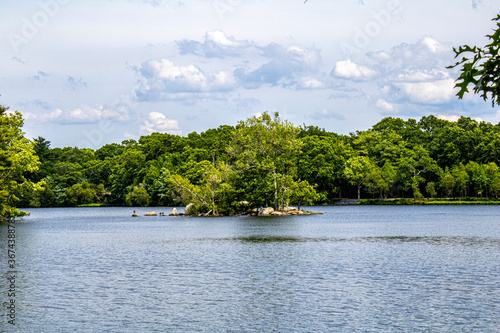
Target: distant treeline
(262, 161)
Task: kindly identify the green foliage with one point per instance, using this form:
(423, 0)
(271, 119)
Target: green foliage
(268, 147)
(17, 158)
(389, 175)
(480, 67)
(29, 194)
(84, 194)
(430, 189)
(478, 179)
(302, 193)
(416, 191)
(322, 161)
(448, 183)
(139, 196)
(375, 182)
(127, 171)
(357, 171)
(493, 175)
(197, 209)
(211, 194)
(92, 205)
(161, 190)
(4, 208)
(461, 179)
(413, 166)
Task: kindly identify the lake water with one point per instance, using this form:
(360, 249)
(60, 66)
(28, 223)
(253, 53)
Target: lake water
(354, 268)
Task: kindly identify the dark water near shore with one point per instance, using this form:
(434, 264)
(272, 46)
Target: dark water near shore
(363, 269)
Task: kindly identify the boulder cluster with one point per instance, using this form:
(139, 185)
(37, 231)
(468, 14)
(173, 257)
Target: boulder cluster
(269, 211)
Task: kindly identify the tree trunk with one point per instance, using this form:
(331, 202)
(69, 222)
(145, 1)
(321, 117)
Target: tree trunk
(359, 192)
(275, 193)
(213, 200)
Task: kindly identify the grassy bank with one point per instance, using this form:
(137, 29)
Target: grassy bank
(93, 205)
(442, 201)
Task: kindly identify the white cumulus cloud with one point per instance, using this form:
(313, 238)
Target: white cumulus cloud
(386, 106)
(432, 92)
(350, 70)
(220, 38)
(433, 45)
(163, 80)
(158, 122)
(188, 77)
(310, 83)
(407, 78)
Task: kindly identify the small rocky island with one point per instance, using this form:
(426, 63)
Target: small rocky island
(268, 211)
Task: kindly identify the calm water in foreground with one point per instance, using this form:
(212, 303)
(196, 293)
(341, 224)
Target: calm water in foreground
(363, 269)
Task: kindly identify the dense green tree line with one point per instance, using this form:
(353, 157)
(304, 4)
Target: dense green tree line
(262, 161)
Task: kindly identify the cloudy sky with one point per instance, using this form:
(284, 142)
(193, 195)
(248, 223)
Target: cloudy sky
(87, 73)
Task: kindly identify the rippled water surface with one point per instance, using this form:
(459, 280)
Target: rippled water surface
(363, 269)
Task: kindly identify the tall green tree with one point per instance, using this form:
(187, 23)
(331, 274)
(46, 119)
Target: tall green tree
(414, 165)
(357, 170)
(447, 182)
(17, 157)
(462, 178)
(390, 176)
(493, 174)
(375, 182)
(268, 147)
(478, 177)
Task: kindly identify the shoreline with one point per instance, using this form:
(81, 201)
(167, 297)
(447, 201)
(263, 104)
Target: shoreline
(421, 202)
